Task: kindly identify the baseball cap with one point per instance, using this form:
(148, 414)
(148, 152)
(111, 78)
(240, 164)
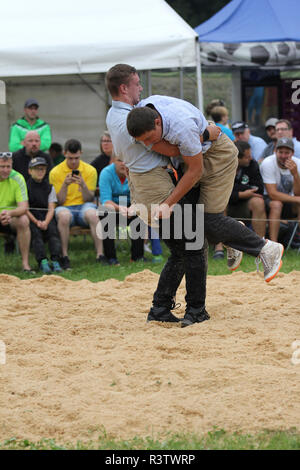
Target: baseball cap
(37, 161)
(239, 126)
(285, 142)
(271, 122)
(31, 102)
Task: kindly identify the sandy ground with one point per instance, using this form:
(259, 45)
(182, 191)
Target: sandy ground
(80, 358)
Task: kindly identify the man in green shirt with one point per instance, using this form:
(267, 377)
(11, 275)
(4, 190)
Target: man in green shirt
(29, 122)
(13, 206)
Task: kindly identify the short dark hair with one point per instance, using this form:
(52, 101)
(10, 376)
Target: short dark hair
(141, 120)
(242, 147)
(117, 75)
(72, 146)
(56, 147)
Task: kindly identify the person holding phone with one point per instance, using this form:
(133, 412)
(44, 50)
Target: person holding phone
(75, 184)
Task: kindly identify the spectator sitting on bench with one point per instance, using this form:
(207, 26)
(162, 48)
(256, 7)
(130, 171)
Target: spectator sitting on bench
(31, 149)
(13, 207)
(113, 184)
(246, 200)
(105, 157)
(281, 176)
(75, 182)
(42, 200)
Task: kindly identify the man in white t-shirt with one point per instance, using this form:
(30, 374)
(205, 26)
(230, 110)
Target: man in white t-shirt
(281, 176)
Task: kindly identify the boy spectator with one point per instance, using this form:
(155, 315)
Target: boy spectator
(220, 116)
(281, 176)
(56, 153)
(29, 122)
(241, 132)
(13, 207)
(246, 200)
(113, 185)
(42, 200)
(75, 182)
(31, 149)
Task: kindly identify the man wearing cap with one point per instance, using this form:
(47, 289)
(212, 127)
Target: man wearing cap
(31, 149)
(270, 127)
(42, 202)
(242, 132)
(30, 121)
(13, 206)
(281, 176)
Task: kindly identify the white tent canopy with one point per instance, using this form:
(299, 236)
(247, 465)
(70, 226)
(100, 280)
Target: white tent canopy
(75, 36)
(58, 52)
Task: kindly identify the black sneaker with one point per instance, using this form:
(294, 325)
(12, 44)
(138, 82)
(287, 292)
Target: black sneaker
(65, 263)
(113, 262)
(162, 314)
(102, 260)
(194, 316)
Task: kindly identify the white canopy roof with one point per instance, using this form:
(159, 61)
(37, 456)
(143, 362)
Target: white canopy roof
(88, 36)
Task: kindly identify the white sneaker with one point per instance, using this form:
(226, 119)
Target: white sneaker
(270, 256)
(234, 258)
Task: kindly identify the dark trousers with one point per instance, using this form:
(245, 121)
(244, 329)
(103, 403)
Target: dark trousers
(191, 263)
(40, 237)
(220, 228)
(137, 246)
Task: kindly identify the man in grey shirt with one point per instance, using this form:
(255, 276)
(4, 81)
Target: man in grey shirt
(150, 183)
(179, 123)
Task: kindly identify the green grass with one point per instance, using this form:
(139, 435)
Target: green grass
(84, 266)
(214, 440)
(82, 256)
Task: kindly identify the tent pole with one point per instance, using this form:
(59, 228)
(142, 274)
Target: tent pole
(199, 76)
(2, 92)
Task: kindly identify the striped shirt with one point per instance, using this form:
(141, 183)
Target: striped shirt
(12, 191)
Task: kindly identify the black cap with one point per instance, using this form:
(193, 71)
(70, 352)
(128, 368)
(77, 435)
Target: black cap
(31, 102)
(37, 161)
(239, 126)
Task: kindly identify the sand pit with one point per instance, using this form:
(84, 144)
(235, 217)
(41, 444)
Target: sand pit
(80, 358)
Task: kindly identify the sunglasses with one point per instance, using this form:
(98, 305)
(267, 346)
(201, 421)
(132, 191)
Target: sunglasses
(5, 154)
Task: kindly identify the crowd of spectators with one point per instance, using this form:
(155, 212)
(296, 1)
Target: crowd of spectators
(266, 188)
(47, 188)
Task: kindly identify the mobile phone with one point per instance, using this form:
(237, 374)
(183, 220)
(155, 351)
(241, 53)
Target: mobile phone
(75, 172)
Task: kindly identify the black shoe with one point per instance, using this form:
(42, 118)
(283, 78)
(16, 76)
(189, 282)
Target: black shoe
(102, 260)
(113, 262)
(162, 314)
(65, 263)
(194, 316)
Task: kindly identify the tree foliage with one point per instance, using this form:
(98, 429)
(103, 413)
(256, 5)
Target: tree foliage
(196, 12)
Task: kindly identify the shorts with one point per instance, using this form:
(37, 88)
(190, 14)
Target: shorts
(288, 209)
(240, 210)
(77, 213)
